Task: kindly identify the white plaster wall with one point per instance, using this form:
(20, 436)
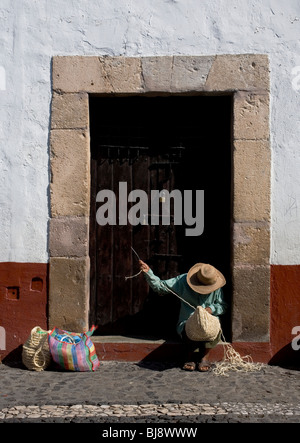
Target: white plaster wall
(32, 31)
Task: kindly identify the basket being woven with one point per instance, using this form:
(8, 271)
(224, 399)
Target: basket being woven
(202, 326)
(36, 355)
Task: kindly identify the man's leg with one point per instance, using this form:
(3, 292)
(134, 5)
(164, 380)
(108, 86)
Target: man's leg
(205, 364)
(193, 352)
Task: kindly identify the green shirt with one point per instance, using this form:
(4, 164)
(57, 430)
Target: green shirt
(179, 284)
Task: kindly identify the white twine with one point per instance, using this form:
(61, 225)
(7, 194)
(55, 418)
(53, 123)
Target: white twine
(233, 361)
(132, 276)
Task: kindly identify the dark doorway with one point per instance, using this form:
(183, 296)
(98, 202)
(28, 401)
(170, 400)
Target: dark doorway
(172, 142)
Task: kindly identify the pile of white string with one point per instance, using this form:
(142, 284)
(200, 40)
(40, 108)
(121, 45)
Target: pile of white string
(233, 361)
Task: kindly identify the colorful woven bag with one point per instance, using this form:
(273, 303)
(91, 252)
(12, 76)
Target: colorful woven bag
(73, 351)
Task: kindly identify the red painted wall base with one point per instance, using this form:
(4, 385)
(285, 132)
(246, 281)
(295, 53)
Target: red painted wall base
(23, 305)
(259, 352)
(285, 314)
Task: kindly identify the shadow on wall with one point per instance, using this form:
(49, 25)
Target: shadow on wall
(286, 357)
(14, 358)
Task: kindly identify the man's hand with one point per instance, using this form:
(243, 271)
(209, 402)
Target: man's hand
(144, 267)
(208, 310)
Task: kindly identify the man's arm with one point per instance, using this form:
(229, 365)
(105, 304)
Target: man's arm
(158, 285)
(144, 267)
(218, 306)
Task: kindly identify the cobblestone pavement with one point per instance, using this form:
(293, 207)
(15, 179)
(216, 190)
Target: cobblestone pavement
(149, 393)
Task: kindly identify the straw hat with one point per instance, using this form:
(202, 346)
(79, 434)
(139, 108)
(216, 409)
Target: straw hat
(204, 278)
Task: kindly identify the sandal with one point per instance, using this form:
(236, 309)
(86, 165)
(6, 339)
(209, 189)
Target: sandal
(204, 366)
(189, 366)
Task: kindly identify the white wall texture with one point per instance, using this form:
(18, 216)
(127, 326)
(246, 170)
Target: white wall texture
(32, 31)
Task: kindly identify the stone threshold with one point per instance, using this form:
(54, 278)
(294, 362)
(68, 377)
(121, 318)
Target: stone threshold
(133, 339)
(135, 349)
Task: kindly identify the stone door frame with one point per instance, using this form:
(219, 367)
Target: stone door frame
(246, 78)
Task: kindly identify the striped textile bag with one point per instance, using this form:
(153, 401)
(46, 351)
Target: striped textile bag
(73, 351)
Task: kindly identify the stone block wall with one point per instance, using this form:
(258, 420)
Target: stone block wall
(246, 78)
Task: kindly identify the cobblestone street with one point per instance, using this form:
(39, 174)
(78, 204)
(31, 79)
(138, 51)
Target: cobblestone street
(149, 393)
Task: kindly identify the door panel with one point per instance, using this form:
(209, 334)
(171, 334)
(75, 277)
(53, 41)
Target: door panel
(161, 143)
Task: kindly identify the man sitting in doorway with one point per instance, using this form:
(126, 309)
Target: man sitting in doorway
(202, 285)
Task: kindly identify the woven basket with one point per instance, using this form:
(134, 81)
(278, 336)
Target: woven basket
(202, 326)
(35, 353)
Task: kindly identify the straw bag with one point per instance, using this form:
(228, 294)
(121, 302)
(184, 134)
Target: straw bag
(202, 326)
(35, 353)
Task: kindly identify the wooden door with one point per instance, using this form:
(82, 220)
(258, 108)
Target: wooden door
(154, 144)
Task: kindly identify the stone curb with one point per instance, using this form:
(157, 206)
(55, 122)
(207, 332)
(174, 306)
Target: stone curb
(243, 410)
